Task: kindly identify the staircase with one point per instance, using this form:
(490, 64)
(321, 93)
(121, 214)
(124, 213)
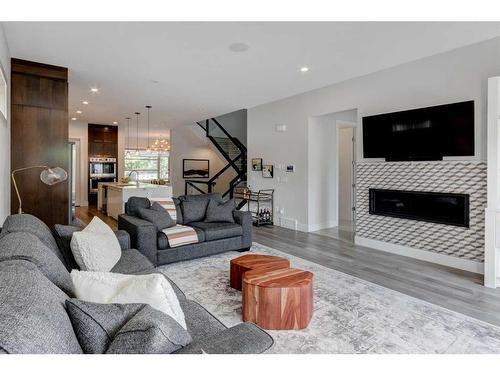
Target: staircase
(235, 154)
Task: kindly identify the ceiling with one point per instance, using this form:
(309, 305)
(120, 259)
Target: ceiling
(187, 72)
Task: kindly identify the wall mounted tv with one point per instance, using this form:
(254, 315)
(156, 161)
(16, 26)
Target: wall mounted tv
(421, 134)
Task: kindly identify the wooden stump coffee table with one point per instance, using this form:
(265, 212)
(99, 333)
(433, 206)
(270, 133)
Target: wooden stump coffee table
(249, 262)
(278, 299)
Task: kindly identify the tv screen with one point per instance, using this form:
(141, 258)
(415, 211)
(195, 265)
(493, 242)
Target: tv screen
(421, 134)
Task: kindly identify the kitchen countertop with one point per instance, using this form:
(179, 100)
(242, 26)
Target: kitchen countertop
(131, 185)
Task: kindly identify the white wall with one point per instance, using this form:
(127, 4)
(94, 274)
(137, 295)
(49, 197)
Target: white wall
(5, 134)
(323, 160)
(185, 144)
(449, 77)
(236, 124)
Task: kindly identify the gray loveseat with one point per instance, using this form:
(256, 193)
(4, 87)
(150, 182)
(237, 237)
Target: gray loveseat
(35, 283)
(213, 237)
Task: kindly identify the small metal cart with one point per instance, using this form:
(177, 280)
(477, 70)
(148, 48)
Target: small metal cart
(259, 203)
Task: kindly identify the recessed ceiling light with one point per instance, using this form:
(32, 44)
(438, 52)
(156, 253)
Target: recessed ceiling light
(85, 102)
(94, 89)
(304, 69)
(115, 123)
(79, 112)
(238, 47)
(73, 118)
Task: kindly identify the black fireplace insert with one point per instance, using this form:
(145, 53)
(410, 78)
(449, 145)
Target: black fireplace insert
(442, 208)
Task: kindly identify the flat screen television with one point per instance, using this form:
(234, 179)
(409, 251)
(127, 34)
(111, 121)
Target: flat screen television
(421, 134)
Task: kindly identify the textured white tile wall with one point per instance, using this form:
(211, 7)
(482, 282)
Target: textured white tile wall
(443, 177)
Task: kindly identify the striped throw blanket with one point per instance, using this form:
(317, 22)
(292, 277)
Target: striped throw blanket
(180, 235)
(168, 204)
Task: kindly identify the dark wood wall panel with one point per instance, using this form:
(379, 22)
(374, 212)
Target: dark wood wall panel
(39, 136)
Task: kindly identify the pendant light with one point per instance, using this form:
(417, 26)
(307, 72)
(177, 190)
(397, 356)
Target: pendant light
(148, 108)
(127, 143)
(137, 132)
(160, 145)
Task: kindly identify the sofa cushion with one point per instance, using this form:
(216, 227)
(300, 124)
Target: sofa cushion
(163, 240)
(202, 197)
(244, 338)
(217, 231)
(200, 323)
(31, 224)
(132, 261)
(220, 212)
(33, 315)
(134, 203)
(28, 247)
(157, 215)
(194, 210)
(63, 235)
(149, 332)
(96, 324)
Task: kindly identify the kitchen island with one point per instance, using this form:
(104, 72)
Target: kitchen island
(112, 196)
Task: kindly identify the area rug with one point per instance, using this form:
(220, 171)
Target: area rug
(351, 315)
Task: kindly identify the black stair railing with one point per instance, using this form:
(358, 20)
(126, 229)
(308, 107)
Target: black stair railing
(232, 150)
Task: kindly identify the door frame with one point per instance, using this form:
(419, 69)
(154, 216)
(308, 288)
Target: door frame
(342, 124)
(78, 174)
(492, 211)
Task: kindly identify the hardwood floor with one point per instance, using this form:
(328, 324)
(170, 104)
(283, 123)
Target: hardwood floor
(86, 214)
(453, 289)
(450, 288)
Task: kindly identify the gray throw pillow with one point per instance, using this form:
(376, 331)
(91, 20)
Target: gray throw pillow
(157, 215)
(194, 210)
(95, 324)
(149, 332)
(220, 213)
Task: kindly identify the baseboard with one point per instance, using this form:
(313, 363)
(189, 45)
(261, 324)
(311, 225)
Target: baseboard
(445, 260)
(290, 223)
(326, 224)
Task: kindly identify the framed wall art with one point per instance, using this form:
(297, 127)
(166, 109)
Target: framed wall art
(195, 168)
(256, 164)
(268, 171)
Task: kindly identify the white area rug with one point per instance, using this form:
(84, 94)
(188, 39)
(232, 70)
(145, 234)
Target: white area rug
(351, 315)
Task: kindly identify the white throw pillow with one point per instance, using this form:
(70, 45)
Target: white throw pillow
(96, 247)
(108, 287)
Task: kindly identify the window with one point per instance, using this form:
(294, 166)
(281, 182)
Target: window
(150, 165)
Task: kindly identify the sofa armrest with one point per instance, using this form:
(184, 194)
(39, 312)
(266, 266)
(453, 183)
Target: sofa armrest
(123, 239)
(244, 338)
(244, 218)
(143, 235)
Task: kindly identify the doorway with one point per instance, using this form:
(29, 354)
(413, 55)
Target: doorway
(331, 161)
(346, 222)
(75, 191)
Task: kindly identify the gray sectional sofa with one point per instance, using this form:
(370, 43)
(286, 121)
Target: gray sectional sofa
(213, 237)
(35, 283)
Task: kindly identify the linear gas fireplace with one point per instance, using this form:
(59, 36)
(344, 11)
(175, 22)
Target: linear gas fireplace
(443, 208)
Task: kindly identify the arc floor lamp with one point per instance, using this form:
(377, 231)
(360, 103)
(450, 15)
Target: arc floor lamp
(49, 176)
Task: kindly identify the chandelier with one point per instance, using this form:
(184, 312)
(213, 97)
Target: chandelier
(160, 145)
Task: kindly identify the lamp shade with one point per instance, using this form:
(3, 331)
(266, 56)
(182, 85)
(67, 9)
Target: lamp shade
(52, 176)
